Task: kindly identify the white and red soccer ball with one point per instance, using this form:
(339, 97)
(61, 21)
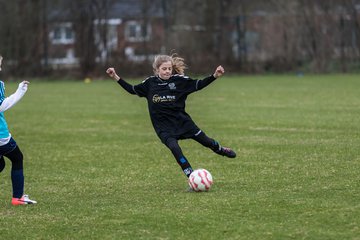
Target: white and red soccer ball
(200, 180)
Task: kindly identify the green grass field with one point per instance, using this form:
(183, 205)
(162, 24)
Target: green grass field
(98, 171)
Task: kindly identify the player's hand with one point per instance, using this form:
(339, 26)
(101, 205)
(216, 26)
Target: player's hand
(23, 85)
(111, 72)
(219, 71)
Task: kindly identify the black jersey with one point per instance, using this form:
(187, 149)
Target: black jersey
(166, 103)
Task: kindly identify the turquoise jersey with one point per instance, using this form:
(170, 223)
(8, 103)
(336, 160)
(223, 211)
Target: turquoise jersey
(4, 131)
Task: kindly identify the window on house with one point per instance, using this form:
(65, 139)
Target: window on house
(57, 33)
(69, 33)
(111, 37)
(137, 32)
(252, 40)
(62, 34)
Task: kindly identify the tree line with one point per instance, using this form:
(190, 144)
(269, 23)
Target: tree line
(246, 35)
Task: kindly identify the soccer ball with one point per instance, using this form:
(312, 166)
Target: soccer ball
(200, 180)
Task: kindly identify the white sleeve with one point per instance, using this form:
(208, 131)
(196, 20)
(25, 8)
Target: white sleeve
(14, 98)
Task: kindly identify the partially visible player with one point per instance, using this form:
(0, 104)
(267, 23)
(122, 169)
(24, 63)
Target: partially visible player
(8, 146)
(166, 93)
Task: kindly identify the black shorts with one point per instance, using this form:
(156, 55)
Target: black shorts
(10, 146)
(178, 134)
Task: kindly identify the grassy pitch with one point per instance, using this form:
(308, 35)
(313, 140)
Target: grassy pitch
(98, 171)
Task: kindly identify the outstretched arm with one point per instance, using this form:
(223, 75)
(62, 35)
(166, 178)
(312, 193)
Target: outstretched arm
(128, 87)
(15, 97)
(219, 71)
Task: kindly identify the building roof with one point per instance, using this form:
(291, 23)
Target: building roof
(117, 9)
(136, 9)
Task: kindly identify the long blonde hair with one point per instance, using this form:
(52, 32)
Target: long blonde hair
(178, 63)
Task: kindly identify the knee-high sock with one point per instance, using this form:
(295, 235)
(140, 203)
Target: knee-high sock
(173, 145)
(185, 166)
(17, 173)
(204, 140)
(17, 178)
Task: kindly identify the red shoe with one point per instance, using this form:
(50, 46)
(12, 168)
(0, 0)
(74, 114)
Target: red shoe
(22, 201)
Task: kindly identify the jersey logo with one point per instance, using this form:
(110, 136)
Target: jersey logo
(159, 99)
(172, 86)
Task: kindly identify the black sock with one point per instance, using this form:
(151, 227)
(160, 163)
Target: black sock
(216, 147)
(17, 178)
(185, 166)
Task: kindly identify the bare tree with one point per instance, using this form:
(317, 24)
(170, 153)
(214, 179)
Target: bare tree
(356, 27)
(22, 35)
(101, 28)
(250, 35)
(349, 34)
(83, 12)
(195, 30)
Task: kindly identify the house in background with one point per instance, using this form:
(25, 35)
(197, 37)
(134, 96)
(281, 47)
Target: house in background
(61, 45)
(132, 33)
(267, 39)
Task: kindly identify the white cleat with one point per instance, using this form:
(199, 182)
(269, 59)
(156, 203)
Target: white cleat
(22, 201)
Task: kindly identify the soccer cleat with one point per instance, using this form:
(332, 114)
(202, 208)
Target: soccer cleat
(22, 201)
(224, 151)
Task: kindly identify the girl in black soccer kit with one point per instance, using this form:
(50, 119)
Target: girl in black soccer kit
(166, 93)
